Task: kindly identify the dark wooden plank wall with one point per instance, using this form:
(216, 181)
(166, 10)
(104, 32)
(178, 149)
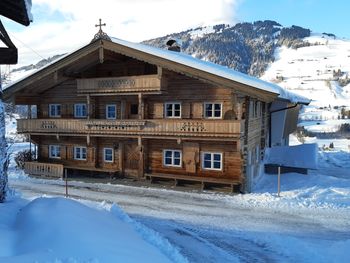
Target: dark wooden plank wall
(94, 151)
(231, 159)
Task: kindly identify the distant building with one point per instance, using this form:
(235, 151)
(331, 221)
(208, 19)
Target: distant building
(319, 115)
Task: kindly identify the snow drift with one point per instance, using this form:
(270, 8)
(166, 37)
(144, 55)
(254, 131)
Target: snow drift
(63, 230)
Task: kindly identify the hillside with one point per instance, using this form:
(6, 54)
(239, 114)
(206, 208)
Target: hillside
(319, 71)
(246, 47)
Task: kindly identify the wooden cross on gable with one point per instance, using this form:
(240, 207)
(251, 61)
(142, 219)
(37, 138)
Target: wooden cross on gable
(100, 34)
(100, 25)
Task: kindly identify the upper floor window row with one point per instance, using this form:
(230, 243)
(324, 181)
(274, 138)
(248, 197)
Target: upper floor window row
(210, 111)
(171, 110)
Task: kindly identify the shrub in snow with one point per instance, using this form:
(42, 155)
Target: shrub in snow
(22, 157)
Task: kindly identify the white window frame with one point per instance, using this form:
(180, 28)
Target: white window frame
(212, 161)
(53, 150)
(81, 153)
(172, 110)
(172, 158)
(213, 110)
(55, 107)
(115, 111)
(104, 155)
(75, 110)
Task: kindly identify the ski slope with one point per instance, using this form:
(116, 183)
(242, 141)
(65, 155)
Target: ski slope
(308, 71)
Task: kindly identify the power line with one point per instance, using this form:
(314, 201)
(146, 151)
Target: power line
(27, 46)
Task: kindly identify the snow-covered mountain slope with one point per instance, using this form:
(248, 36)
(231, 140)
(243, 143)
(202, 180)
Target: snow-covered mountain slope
(319, 71)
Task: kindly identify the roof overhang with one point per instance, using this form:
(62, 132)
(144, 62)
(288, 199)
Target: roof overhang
(17, 10)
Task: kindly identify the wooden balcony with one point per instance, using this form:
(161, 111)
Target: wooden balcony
(132, 84)
(148, 128)
(44, 169)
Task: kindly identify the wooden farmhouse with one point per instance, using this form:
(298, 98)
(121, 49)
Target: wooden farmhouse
(137, 111)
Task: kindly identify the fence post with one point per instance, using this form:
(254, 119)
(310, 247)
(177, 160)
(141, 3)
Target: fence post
(66, 181)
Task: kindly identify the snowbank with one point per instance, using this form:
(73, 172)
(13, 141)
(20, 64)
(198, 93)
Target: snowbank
(63, 230)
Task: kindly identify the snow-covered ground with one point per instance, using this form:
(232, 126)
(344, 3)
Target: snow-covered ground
(63, 230)
(308, 71)
(310, 222)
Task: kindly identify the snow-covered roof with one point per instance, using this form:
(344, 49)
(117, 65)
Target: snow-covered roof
(28, 4)
(215, 69)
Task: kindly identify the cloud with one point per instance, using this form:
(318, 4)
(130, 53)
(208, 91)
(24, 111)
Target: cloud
(63, 25)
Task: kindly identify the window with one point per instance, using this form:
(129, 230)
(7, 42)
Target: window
(55, 151)
(108, 155)
(80, 110)
(173, 110)
(212, 161)
(134, 109)
(79, 153)
(212, 110)
(111, 111)
(172, 158)
(55, 110)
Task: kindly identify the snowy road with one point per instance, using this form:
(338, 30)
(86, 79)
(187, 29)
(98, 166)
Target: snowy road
(219, 228)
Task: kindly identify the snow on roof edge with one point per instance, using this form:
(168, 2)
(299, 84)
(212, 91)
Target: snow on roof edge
(28, 4)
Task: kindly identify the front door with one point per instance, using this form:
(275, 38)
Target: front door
(191, 156)
(131, 158)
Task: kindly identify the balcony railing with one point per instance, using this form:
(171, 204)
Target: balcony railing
(146, 83)
(151, 127)
(44, 169)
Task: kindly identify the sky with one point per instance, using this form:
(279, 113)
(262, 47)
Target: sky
(62, 26)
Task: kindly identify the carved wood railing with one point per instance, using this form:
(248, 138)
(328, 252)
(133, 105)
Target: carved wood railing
(44, 169)
(151, 127)
(145, 83)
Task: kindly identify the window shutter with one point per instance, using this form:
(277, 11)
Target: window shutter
(90, 154)
(45, 110)
(158, 111)
(186, 110)
(197, 111)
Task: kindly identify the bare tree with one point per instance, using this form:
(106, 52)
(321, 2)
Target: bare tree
(3, 151)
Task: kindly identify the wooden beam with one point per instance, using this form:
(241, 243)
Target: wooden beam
(123, 109)
(8, 55)
(141, 170)
(88, 103)
(141, 108)
(121, 157)
(101, 55)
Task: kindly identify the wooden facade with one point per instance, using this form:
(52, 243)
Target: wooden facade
(115, 108)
